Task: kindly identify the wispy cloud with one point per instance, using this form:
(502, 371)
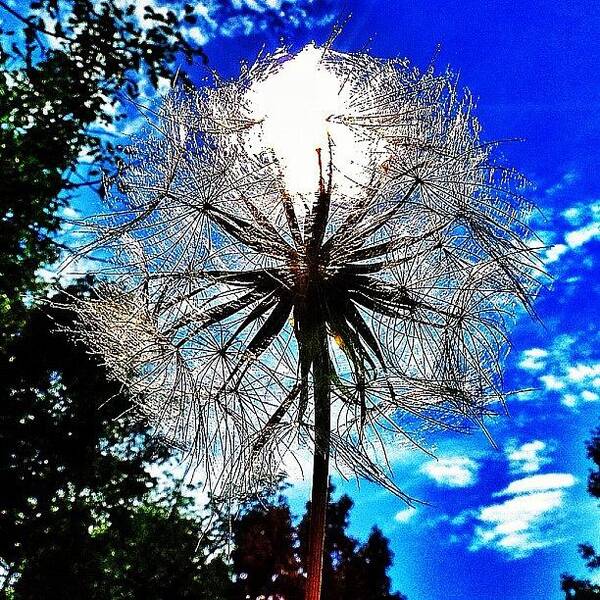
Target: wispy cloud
(576, 383)
(554, 253)
(527, 520)
(405, 515)
(566, 367)
(454, 471)
(578, 237)
(533, 359)
(566, 180)
(528, 457)
(538, 483)
(580, 224)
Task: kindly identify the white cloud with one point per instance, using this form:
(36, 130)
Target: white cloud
(68, 212)
(455, 471)
(298, 467)
(517, 526)
(576, 380)
(405, 515)
(578, 383)
(553, 253)
(589, 396)
(529, 457)
(584, 217)
(574, 400)
(580, 372)
(528, 520)
(573, 214)
(567, 179)
(53, 274)
(538, 483)
(533, 359)
(199, 36)
(569, 400)
(583, 235)
(552, 383)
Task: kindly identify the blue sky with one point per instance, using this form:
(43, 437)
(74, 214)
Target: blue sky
(501, 524)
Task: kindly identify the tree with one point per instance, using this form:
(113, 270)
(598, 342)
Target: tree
(64, 464)
(584, 589)
(78, 515)
(351, 570)
(53, 107)
(270, 555)
(367, 578)
(265, 561)
(312, 255)
(157, 555)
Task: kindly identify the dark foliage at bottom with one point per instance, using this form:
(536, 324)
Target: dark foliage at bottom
(269, 558)
(584, 589)
(81, 517)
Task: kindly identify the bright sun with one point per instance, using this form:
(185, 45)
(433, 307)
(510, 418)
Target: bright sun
(294, 107)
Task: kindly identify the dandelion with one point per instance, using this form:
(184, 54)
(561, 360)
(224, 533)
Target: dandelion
(320, 254)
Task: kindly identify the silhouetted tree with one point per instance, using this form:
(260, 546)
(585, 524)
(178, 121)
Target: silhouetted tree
(156, 555)
(351, 570)
(584, 589)
(264, 557)
(73, 482)
(50, 96)
(269, 556)
(77, 514)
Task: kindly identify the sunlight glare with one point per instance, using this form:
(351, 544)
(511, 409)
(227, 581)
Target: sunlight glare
(293, 106)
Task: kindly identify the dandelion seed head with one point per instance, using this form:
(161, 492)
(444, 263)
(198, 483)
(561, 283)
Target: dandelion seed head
(241, 262)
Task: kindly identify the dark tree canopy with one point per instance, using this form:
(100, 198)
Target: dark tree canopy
(80, 520)
(584, 589)
(269, 557)
(264, 554)
(74, 490)
(79, 513)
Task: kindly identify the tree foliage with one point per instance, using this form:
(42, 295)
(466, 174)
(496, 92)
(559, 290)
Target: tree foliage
(80, 520)
(61, 68)
(270, 555)
(584, 589)
(73, 475)
(78, 515)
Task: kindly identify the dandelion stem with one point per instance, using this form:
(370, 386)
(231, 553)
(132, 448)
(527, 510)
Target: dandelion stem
(320, 480)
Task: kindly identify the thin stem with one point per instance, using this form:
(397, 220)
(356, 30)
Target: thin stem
(320, 481)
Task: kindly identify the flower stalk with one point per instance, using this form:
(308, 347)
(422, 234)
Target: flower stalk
(320, 476)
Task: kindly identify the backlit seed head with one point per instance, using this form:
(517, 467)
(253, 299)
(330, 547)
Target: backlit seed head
(320, 191)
